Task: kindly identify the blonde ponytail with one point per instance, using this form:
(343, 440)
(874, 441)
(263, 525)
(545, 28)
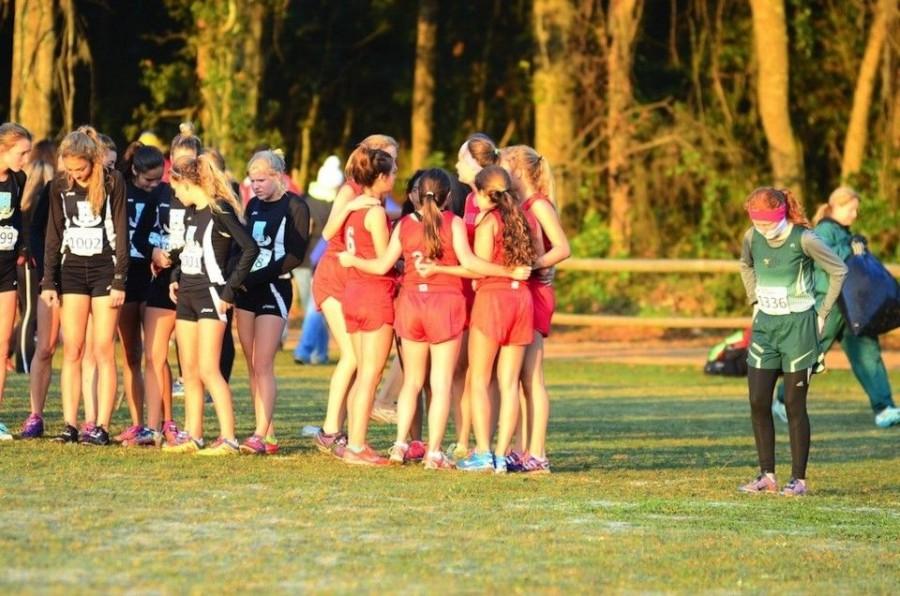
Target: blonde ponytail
(85, 143)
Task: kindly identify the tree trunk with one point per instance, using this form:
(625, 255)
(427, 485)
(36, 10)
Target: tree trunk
(553, 91)
(622, 23)
(423, 83)
(300, 173)
(34, 47)
(771, 45)
(857, 129)
(227, 42)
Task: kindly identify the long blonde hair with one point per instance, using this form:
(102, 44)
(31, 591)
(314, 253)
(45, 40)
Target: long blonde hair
(202, 171)
(86, 144)
(527, 163)
(839, 197)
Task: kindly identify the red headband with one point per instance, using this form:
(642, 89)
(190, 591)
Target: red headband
(773, 215)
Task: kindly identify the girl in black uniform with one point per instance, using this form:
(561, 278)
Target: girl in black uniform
(86, 262)
(15, 144)
(203, 294)
(39, 327)
(143, 170)
(279, 223)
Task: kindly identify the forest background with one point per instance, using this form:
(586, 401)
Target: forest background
(658, 116)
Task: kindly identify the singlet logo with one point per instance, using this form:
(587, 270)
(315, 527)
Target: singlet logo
(259, 234)
(6, 209)
(138, 209)
(86, 218)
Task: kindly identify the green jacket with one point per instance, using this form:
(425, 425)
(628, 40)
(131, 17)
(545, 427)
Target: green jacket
(837, 238)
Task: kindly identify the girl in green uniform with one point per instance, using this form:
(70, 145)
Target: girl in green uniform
(778, 256)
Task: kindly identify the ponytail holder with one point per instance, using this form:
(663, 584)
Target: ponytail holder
(429, 194)
(496, 152)
(540, 158)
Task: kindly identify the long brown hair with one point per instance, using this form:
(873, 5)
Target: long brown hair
(370, 164)
(483, 149)
(202, 171)
(518, 248)
(434, 189)
(767, 197)
(376, 141)
(85, 143)
(40, 171)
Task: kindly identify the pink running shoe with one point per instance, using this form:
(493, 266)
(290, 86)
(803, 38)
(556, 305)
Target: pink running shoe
(762, 485)
(534, 465)
(331, 443)
(129, 434)
(437, 461)
(366, 457)
(794, 488)
(416, 451)
(170, 431)
(86, 429)
(254, 445)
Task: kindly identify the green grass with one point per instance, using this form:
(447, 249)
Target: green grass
(646, 460)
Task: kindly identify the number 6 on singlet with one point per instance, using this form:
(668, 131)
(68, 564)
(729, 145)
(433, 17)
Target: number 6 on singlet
(349, 242)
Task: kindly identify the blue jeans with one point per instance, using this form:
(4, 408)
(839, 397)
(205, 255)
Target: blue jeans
(312, 347)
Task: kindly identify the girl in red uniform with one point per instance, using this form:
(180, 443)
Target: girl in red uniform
(533, 182)
(368, 302)
(328, 291)
(430, 311)
(477, 152)
(502, 319)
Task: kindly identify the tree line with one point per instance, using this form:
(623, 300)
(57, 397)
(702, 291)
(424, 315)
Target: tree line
(659, 116)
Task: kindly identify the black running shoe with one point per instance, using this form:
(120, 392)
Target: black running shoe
(97, 436)
(68, 435)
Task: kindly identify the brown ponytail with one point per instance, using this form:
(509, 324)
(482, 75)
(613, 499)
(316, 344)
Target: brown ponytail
(517, 244)
(85, 143)
(434, 189)
(376, 141)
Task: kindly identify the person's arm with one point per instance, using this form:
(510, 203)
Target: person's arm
(379, 265)
(834, 267)
(141, 237)
(376, 224)
(296, 239)
(473, 267)
(345, 203)
(21, 248)
(118, 204)
(53, 239)
(548, 218)
(247, 248)
(748, 275)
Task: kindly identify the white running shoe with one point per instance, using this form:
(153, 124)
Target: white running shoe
(890, 416)
(4, 433)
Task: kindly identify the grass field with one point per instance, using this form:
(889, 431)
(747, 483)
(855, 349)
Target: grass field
(646, 462)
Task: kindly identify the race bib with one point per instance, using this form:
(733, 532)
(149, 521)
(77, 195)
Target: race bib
(773, 301)
(8, 237)
(85, 242)
(263, 260)
(192, 260)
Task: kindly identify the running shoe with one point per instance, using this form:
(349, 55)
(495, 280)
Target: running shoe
(331, 443)
(477, 462)
(779, 411)
(416, 451)
(129, 433)
(459, 451)
(183, 443)
(397, 453)
(271, 445)
(97, 436)
(33, 427)
(86, 429)
(888, 417)
(221, 447)
(499, 464)
(146, 437)
(254, 445)
(535, 465)
(4, 433)
(437, 461)
(514, 461)
(68, 435)
(178, 388)
(762, 484)
(170, 431)
(794, 488)
(366, 457)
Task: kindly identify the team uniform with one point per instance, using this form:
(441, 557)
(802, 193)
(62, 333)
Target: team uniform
(541, 281)
(780, 280)
(503, 308)
(86, 253)
(166, 232)
(281, 231)
(430, 310)
(368, 299)
(201, 272)
(142, 207)
(470, 217)
(330, 277)
(11, 238)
